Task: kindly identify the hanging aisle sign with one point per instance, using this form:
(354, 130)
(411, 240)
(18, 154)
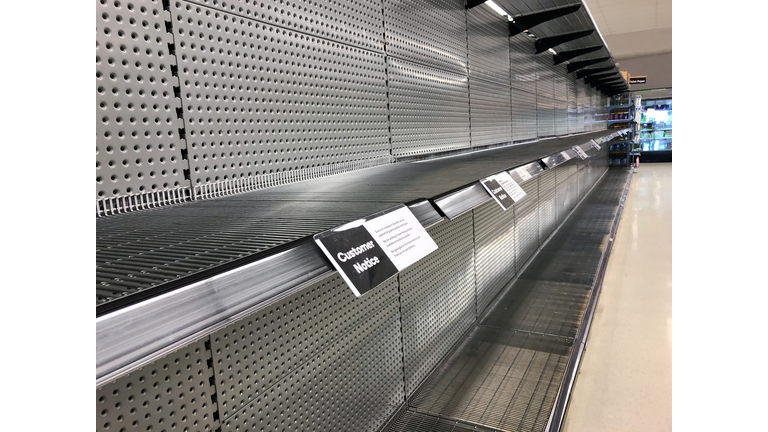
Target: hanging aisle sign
(369, 251)
(504, 190)
(638, 80)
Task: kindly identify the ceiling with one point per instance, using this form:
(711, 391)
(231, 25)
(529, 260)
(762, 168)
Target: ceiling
(633, 28)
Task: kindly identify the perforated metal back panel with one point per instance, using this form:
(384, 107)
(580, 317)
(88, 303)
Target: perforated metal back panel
(318, 360)
(260, 99)
(522, 65)
(437, 296)
(256, 352)
(545, 116)
(429, 109)
(352, 22)
(428, 32)
(489, 94)
(494, 251)
(527, 222)
(563, 194)
(173, 393)
(138, 149)
(547, 204)
(524, 126)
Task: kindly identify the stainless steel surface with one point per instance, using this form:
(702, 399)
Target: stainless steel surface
(138, 147)
(134, 335)
(425, 213)
(174, 392)
(356, 23)
(533, 169)
(489, 95)
(143, 252)
(429, 32)
(527, 223)
(458, 203)
(429, 109)
(253, 354)
(517, 365)
(494, 251)
(354, 383)
(437, 299)
(280, 107)
(498, 379)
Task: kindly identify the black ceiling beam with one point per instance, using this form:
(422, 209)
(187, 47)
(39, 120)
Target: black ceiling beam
(596, 78)
(546, 43)
(572, 67)
(473, 3)
(567, 55)
(522, 23)
(587, 72)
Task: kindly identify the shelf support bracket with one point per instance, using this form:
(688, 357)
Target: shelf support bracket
(546, 43)
(522, 23)
(563, 56)
(572, 67)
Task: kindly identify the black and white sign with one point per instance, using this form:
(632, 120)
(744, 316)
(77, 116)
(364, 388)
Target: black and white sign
(503, 189)
(523, 173)
(581, 153)
(369, 251)
(595, 145)
(638, 80)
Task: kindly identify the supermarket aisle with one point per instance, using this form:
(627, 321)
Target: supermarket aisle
(625, 379)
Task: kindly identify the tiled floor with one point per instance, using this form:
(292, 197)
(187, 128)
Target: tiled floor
(625, 379)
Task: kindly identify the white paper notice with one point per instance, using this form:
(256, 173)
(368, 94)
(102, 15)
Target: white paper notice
(582, 154)
(401, 237)
(513, 189)
(565, 155)
(523, 173)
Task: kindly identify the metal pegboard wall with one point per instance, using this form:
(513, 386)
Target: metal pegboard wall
(545, 75)
(561, 82)
(522, 64)
(547, 203)
(352, 22)
(139, 160)
(545, 116)
(494, 251)
(437, 297)
(353, 384)
(172, 393)
(252, 354)
(489, 96)
(563, 193)
(490, 112)
(428, 32)
(487, 40)
(561, 117)
(524, 113)
(264, 105)
(581, 105)
(527, 222)
(575, 125)
(429, 109)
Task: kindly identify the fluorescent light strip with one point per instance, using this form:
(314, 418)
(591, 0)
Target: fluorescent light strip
(496, 7)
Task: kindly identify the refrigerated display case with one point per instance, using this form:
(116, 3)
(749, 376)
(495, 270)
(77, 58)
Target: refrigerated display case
(655, 130)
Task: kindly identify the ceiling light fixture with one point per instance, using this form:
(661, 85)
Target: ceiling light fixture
(496, 7)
